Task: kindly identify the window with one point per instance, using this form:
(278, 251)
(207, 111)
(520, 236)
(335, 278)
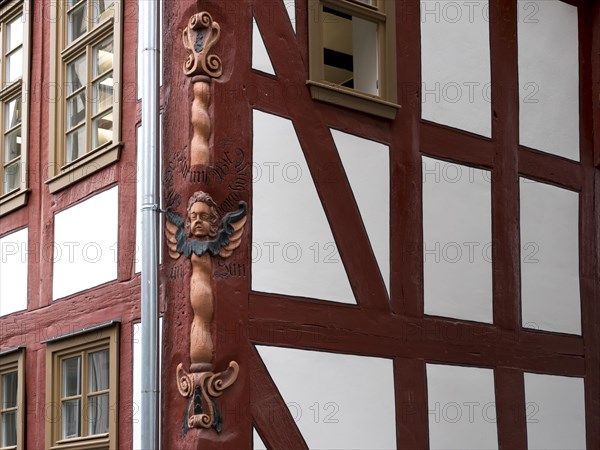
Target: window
(14, 64)
(352, 54)
(82, 387)
(86, 42)
(12, 400)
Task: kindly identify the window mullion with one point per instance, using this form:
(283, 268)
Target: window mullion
(89, 100)
(84, 394)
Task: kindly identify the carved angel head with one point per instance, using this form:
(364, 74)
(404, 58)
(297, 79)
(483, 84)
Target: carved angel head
(202, 218)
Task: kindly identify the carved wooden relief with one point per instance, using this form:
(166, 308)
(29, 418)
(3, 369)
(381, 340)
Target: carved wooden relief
(201, 34)
(206, 231)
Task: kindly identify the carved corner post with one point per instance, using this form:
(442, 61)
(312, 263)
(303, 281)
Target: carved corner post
(201, 385)
(201, 34)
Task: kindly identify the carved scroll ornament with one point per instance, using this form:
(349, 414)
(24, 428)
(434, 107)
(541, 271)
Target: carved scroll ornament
(199, 37)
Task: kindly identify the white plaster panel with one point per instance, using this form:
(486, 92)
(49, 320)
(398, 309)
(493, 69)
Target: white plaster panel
(367, 166)
(457, 241)
(85, 244)
(260, 56)
(136, 400)
(555, 411)
(290, 7)
(293, 250)
(462, 411)
(550, 298)
(455, 63)
(334, 397)
(13, 272)
(549, 77)
(258, 443)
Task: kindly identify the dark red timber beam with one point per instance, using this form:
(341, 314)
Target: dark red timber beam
(589, 225)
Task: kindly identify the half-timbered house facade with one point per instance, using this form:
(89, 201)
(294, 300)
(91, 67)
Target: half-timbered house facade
(380, 224)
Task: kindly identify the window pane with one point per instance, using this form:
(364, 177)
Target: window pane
(76, 74)
(9, 390)
(103, 94)
(103, 9)
(98, 414)
(12, 144)
(350, 51)
(98, 371)
(337, 48)
(12, 113)
(103, 57)
(71, 377)
(71, 426)
(75, 144)
(77, 20)
(9, 429)
(14, 66)
(12, 176)
(75, 110)
(102, 129)
(14, 34)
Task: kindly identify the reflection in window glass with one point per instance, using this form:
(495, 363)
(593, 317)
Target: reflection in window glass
(350, 51)
(8, 408)
(77, 22)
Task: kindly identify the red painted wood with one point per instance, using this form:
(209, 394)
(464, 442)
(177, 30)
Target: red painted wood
(406, 240)
(305, 324)
(550, 169)
(411, 404)
(589, 224)
(440, 141)
(505, 181)
(510, 408)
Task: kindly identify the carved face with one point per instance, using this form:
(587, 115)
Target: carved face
(200, 220)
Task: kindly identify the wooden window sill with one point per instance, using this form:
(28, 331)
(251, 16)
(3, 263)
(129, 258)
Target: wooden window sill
(339, 95)
(85, 166)
(13, 200)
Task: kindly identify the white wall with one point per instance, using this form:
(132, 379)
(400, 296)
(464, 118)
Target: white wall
(457, 241)
(260, 56)
(13, 272)
(549, 77)
(293, 249)
(337, 400)
(555, 412)
(455, 64)
(462, 411)
(86, 244)
(550, 298)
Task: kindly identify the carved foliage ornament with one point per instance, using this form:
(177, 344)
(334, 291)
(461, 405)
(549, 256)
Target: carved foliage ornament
(201, 34)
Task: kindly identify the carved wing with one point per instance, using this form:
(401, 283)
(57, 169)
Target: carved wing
(173, 227)
(233, 228)
(235, 239)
